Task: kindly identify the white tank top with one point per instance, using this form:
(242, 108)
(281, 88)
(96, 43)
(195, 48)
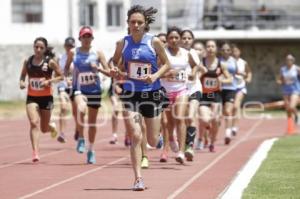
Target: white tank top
(181, 64)
(241, 68)
(194, 86)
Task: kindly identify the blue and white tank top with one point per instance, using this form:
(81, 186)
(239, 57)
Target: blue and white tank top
(85, 79)
(140, 59)
(232, 69)
(291, 83)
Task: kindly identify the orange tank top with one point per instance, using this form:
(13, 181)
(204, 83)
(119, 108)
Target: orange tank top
(36, 74)
(210, 81)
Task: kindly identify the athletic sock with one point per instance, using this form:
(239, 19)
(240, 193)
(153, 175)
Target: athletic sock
(190, 135)
(91, 146)
(234, 128)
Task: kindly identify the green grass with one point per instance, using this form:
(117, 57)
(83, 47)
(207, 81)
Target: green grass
(17, 109)
(11, 104)
(279, 175)
(12, 109)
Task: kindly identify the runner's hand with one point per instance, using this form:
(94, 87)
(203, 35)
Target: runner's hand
(150, 78)
(45, 82)
(22, 84)
(114, 72)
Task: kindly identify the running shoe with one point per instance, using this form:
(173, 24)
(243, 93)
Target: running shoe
(114, 139)
(212, 148)
(145, 162)
(174, 146)
(234, 131)
(127, 142)
(189, 153)
(199, 145)
(227, 140)
(61, 138)
(80, 145)
(76, 135)
(91, 158)
(138, 185)
(53, 130)
(180, 157)
(227, 136)
(35, 157)
(296, 119)
(160, 142)
(163, 157)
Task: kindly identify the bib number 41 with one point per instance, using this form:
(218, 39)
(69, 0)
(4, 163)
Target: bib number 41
(139, 70)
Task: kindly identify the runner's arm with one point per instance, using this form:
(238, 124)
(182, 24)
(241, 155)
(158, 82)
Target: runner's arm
(23, 75)
(105, 70)
(164, 61)
(69, 62)
(227, 77)
(58, 73)
(248, 78)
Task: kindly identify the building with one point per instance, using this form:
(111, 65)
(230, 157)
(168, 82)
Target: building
(240, 20)
(24, 20)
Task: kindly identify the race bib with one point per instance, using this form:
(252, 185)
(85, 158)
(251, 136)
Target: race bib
(138, 70)
(87, 78)
(288, 80)
(210, 83)
(36, 84)
(181, 76)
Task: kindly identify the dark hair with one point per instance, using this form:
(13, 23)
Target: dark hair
(48, 53)
(69, 41)
(147, 13)
(189, 31)
(234, 46)
(174, 29)
(198, 42)
(161, 34)
(225, 43)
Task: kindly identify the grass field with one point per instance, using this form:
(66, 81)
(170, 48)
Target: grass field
(12, 109)
(279, 175)
(17, 109)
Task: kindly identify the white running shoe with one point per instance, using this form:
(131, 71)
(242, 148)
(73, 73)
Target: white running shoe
(180, 157)
(199, 145)
(53, 130)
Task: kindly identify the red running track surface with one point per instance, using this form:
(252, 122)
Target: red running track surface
(62, 172)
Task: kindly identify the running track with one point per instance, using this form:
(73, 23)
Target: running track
(62, 173)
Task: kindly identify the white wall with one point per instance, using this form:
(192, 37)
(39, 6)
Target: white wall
(16, 39)
(54, 26)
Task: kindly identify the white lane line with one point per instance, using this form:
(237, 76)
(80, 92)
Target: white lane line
(215, 161)
(43, 139)
(73, 178)
(45, 155)
(244, 177)
(29, 159)
(14, 145)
